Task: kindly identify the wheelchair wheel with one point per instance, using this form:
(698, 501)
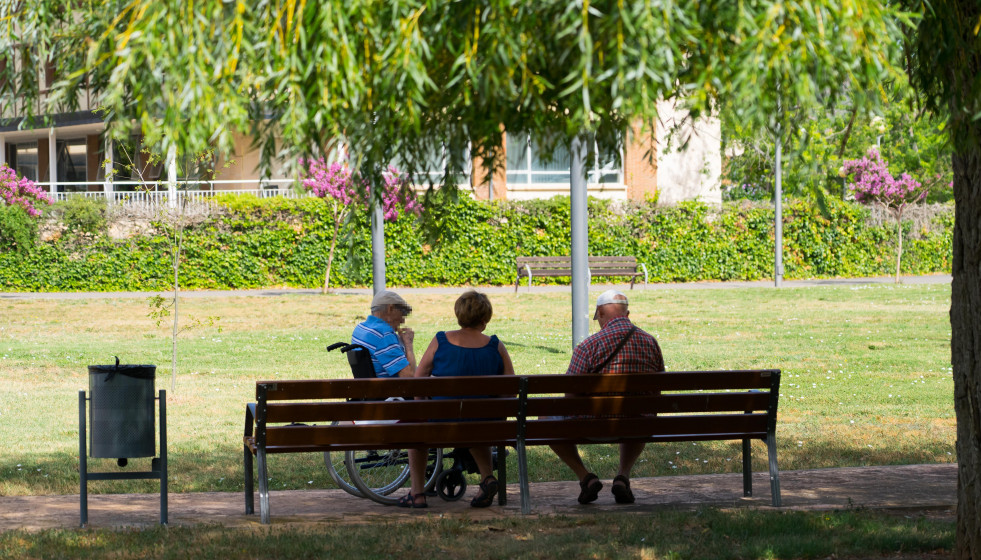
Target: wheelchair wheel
(451, 485)
(434, 466)
(378, 473)
(338, 473)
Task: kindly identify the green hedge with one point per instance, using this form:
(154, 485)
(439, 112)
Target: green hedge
(257, 243)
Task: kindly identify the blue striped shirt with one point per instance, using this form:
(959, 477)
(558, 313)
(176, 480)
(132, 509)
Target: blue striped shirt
(387, 352)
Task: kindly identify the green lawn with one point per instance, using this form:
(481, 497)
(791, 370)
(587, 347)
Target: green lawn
(669, 535)
(866, 374)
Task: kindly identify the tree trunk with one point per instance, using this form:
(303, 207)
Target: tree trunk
(965, 346)
(899, 246)
(330, 254)
(179, 238)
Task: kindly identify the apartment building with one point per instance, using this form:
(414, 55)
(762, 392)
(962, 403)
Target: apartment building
(73, 156)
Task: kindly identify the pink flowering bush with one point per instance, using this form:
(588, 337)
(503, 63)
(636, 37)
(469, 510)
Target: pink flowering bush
(336, 185)
(21, 192)
(872, 183)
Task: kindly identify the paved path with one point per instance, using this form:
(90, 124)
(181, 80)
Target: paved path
(907, 490)
(934, 279)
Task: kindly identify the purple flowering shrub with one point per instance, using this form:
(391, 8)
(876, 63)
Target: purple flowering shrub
(337, 185)
(336, 182)
(872, 183)
(21, 192)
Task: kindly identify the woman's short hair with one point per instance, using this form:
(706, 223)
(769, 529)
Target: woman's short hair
(473, 309)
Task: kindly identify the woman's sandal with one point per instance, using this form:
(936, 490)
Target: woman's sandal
(590, 488)
(414, 501)
(621, 492)
(488, 489)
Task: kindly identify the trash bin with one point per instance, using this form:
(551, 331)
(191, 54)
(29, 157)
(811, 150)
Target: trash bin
(121, 415)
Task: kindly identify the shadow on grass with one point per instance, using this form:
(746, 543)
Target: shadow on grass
(706, 533)
(548, 349)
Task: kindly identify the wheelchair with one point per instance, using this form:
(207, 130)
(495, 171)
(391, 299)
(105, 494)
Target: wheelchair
(376, 474)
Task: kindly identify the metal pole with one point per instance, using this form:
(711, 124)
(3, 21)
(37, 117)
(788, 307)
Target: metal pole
(163, 457)
(52, 163)
(377, 247)
(83, 467)
(580, 241)
(778, 219)
(107, 185)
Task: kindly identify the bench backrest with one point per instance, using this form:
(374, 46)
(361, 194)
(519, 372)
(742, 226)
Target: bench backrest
(687, 406)
(664, 406)
(323, 402)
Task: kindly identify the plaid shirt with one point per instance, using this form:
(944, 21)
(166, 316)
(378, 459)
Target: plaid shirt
(641, 354)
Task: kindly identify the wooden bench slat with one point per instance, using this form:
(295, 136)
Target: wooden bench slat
(668, 381)
(384, 388)
(579, 430)
(279, 412)
(409, 434)
(646, 404)
(567, 258)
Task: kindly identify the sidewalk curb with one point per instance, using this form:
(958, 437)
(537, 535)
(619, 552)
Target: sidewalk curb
(456, 290)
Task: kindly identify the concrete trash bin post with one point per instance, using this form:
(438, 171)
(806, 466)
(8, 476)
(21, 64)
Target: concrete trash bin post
(121, 414)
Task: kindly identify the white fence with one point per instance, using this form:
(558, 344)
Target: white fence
(160, 193)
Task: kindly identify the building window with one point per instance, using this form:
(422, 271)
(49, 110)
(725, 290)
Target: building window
(71, 165)
(434, 168)
(526, 166)
(25, 160)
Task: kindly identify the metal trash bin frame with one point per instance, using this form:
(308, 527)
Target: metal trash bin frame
(158, 465)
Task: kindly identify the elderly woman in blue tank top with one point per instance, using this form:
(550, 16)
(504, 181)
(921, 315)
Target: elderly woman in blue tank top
(467, 351)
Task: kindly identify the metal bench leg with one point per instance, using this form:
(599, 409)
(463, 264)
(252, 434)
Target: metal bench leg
(83, 468)
(771, 447)
(249, 482)
(523, 477)
(263, 487)
(502, 476)
(164, 520)
(747, 467)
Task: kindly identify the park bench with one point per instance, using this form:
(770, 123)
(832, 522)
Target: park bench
(562, 266)
(663, 407)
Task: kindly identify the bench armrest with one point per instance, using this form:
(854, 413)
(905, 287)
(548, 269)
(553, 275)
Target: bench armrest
(249, 419)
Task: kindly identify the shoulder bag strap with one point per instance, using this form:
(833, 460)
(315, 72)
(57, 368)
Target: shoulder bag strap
(615, 351)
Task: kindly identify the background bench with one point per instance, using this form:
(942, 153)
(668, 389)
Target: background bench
(562, 266)
(663, 407)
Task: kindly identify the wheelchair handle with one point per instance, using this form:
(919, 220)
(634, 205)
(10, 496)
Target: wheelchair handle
(336, 345)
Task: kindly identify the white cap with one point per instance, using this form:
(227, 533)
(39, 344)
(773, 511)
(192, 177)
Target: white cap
(611, 296)
(388, 297)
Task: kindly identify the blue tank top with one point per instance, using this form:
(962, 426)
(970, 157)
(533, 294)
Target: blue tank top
(451, 360)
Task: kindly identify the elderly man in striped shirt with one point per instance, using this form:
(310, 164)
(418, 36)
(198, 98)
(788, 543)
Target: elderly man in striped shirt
(618, 347)
(382, 334)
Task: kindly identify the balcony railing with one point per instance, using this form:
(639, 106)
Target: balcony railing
(159, 193)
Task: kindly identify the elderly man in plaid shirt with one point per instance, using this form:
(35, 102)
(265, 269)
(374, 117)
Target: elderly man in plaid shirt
(619, 347)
